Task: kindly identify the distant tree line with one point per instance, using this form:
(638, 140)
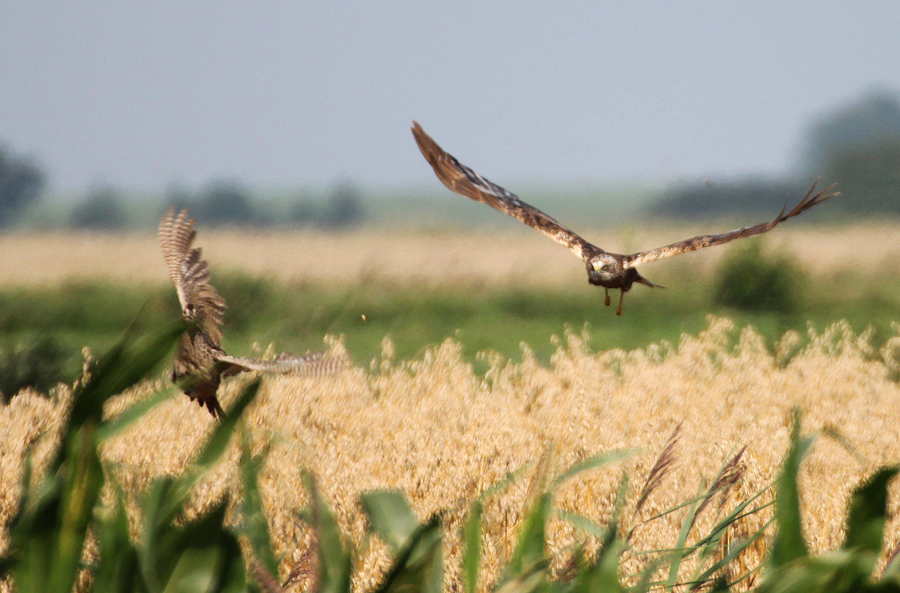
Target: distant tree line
(229, 203)
(21, 183)
(100, 210)
(224, 203)
(342, 209)
(723, 199)
(856, 146)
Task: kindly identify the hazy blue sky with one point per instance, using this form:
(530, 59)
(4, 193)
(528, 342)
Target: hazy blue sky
(138, 94)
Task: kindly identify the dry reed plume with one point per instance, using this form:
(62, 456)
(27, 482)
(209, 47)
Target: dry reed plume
(705, 414)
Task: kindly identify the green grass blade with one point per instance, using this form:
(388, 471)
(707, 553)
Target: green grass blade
(390, 517)
(679, 556)
(867, 514)
(253, 525)
(645, 576)
(502, 484)
(472, 547)
(79, 497)
(594, 462)
(202, 555)
(602, 574)
(121, 367)
(131, 415)
(334, 561)
(419, 565)
(532, 537)
(733, 552)
(212, 451)
(165, 499)
(530, 581)
(583, 523)
(195, 571)
(117, 571)
(789, 544)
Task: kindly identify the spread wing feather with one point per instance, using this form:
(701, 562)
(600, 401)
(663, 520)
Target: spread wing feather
(310, 365)
(811, 199)
(190, 273)
(467, 182)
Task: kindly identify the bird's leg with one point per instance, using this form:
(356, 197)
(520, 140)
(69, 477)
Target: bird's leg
(621, 298)
(606, 302)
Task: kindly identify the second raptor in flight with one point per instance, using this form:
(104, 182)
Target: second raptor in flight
(604, 268)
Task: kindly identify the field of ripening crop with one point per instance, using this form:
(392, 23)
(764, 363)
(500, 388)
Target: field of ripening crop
(710, 410)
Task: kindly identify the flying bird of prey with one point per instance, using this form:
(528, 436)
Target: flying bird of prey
(200, 363)
(604, 268)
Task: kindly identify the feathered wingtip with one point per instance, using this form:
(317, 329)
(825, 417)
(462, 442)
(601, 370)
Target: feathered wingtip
(314, 364)
(430, 149)
(809, 200)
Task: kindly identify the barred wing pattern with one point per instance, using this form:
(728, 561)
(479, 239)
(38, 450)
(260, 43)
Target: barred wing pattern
(313, 364)
(200, 363)
(190, 274)
(464, 181)
(809, 200)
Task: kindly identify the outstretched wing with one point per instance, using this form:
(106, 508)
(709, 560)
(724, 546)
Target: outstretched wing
(465, 181)
(190, 273)
(309, 365)
(811, 199)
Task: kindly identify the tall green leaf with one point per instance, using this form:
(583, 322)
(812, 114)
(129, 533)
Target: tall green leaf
(594, 462)
(472, 547)
(253, 524)
(79, 496)
(789, 544)
(126, 363)
(602, 574)
(117, 570)
(867, 513)
(334, 561)
(390, 517)
(161, 548)
(212, 451)
(419, 564)
(529, 549)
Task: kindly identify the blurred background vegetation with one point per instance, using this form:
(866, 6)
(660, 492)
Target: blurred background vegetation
(856, 145)
(42, 329)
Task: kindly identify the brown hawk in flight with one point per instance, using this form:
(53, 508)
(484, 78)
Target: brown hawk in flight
(200, 363)
(606, 269)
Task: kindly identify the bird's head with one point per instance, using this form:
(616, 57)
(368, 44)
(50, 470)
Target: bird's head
(602, 267)
(189, 313)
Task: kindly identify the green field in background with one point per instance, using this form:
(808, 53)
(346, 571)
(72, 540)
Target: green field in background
(295, 317)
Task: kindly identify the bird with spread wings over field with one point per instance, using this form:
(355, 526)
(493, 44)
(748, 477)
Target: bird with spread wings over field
(200, 363)
(604, 268)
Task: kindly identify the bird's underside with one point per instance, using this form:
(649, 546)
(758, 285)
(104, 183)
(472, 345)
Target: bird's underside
(200, 363)
(606, 269)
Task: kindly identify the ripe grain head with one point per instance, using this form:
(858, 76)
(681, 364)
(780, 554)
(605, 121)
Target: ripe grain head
(435, 429)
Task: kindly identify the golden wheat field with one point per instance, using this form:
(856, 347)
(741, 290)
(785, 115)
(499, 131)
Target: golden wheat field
(496, 256)
(442, 433)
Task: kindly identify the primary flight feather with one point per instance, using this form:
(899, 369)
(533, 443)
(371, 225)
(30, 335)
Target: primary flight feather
(604, 268)
(200, 363)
